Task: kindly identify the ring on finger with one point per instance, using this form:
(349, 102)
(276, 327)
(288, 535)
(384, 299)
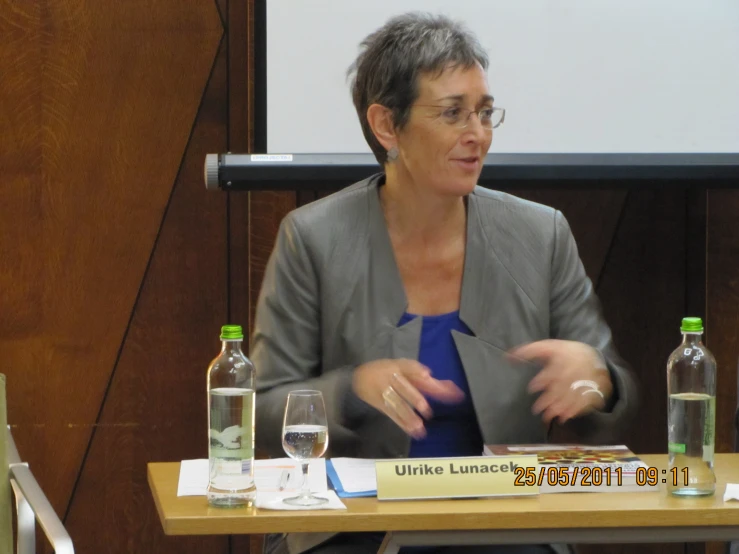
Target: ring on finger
(391, 397)
(400, 411)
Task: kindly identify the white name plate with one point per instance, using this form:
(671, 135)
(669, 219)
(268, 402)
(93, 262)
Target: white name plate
(411, 479)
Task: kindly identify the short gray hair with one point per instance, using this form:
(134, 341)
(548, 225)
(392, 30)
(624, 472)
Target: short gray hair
(392, 58)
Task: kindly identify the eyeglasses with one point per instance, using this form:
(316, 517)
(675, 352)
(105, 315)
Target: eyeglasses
(459, 118)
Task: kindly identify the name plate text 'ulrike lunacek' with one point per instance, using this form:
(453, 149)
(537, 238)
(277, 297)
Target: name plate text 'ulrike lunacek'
(408, 479)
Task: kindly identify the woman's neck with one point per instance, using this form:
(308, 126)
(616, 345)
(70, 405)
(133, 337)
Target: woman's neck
(416, 214)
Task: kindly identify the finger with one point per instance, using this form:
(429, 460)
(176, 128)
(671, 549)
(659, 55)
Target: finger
(410, 394)
(413, 370)
(444, 391)
(544, 379)
(415, 429)
(556, 373)
(556, 394)
(540, 350)
(579, 404)
(401, 413)
(552, 377)
(561, 407)
(570, 411)
(574, 409)
(551, 413)
(419, 376)
(417, 432)
(544, 401)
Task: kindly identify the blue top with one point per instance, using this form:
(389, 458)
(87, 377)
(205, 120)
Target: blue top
(453, 429)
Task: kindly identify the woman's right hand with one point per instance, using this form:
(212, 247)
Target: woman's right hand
(398, 389)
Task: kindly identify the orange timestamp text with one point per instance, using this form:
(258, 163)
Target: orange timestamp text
(596, 476)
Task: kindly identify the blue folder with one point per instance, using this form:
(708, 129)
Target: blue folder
(338, 487)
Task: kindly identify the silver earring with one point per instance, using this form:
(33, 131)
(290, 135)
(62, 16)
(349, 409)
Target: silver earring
(392, 154)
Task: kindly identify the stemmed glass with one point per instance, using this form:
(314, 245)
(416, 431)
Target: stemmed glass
(305, 437)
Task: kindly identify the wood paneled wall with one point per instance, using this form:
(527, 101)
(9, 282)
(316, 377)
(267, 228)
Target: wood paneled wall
(114, 275)
(117, 268)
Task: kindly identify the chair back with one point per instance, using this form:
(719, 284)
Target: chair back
(6, 500)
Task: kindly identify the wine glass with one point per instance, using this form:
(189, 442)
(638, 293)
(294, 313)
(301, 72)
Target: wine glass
(305, 437)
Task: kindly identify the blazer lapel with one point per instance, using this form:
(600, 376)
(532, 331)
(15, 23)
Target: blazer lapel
(384, 276)
(493, 305)
(387, 291)
(500, 315)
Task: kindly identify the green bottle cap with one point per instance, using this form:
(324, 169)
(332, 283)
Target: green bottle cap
(692, 325)
(231, 332)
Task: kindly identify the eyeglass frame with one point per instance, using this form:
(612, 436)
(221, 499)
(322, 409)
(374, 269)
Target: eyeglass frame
(469, 114)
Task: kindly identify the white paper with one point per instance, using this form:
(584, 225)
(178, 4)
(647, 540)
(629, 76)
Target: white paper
(268, 474)
(732, 492)
(356, 474)
(193, 479)
(273, 501)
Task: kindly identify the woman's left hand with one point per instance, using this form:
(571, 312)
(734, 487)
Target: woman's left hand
(572, 382)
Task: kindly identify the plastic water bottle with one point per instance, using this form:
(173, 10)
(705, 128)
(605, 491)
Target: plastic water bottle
(231, 424)
(691, 414)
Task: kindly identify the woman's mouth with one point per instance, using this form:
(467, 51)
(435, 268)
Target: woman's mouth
(471, 163)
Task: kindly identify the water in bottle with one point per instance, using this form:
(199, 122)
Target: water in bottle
(231, 424)
(691, 414)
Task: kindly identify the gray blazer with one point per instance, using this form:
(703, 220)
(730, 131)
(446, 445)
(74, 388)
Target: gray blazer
(332, 298)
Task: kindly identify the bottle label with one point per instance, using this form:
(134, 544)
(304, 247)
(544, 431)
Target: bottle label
(228, 467)
(676, 448)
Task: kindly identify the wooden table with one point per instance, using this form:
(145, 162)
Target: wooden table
(607, 517)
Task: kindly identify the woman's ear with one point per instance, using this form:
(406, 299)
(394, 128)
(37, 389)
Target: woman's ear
(380, 120)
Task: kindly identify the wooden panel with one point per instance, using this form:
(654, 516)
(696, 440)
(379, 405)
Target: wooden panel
(239, 270)
(240, 16)
(722, 313)
(304, 197)
(266, 210)
(156, 406)
(239, 140)
(113, 510)
(22, 265)
(98, 100)
(643, 295)
(642, 289)
(240, 75)
(222, 6)
(695, 252)
(722, 326)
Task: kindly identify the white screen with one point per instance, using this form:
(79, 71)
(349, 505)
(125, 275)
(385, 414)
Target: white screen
(575, 76)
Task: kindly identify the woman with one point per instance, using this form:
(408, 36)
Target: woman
(434, 315)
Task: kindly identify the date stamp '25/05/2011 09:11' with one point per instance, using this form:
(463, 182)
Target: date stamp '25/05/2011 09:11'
(596, 476)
